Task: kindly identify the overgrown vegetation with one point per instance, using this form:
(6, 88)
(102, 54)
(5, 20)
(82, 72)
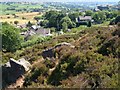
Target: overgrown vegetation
(93, 61)
(11, 39)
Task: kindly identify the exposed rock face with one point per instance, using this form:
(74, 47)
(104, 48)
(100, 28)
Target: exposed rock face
(13, 70)
(64, 44)
(49, 53)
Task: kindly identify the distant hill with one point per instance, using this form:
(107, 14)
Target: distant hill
(59, 1)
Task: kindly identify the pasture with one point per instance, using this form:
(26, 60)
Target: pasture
(12, 8)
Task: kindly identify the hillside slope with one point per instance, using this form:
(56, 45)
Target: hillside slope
(92, 62)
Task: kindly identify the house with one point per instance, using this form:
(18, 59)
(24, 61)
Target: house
(96, 10)
(33, 31)
(27, 34)
(103, 7)
(83, 18)
(117, 7)
(42, 31)
(35, 27)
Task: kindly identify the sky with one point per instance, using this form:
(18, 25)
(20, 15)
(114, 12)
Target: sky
(62, 0)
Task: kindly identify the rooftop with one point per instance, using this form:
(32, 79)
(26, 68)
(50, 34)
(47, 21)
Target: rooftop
(85, 17)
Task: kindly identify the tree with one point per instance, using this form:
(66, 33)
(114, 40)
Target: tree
(117, 19)
(99, 17)
(49, 14)
(112, 22)
(56, 19)
(16, 22)
(88, 13)
(59, 17)
(89, 24)
(37, 18)
(111, 14)
(73, 16)
(81, 13)
(11, 39)
(64, 26)
(52, 29)
(23, 18)
(68, 21)
(52, 16)
(29, 24)
(44, 23)
(73, 24)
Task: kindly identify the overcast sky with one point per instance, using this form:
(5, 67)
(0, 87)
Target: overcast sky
(63, 0)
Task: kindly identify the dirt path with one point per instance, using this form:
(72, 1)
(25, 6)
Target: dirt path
(52, 69)
(38, 61)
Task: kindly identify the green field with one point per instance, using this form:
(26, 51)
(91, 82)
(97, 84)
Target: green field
(13, 8)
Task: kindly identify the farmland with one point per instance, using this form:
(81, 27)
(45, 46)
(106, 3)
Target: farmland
(22, 18)
(12, 8)
(21, 12)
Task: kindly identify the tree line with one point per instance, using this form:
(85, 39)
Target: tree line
(63, 21)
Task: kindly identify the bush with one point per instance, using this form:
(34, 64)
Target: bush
(52, 29)
(11, 39)
(44, 23)
(49, 64)
(35, 40)
(38, 73)
(16, 22)
(118, 24)
(117, 19)
(24, 29)
(23, 18)
(89, 24)
(112, 22)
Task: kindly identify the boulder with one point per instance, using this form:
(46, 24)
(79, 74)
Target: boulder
(49, 53)
(13, 70)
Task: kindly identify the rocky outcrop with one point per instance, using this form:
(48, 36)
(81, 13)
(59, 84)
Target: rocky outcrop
(49, 53)
(64, 44)
(14, 70)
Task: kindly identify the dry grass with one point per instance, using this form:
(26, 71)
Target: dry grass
(27, 16)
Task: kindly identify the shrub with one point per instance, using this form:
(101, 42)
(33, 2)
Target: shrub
(11, 37)
(16, 22)
(23, 18)
(35, 40)
(49, 63)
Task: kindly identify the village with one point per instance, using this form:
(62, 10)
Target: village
(41, 31)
